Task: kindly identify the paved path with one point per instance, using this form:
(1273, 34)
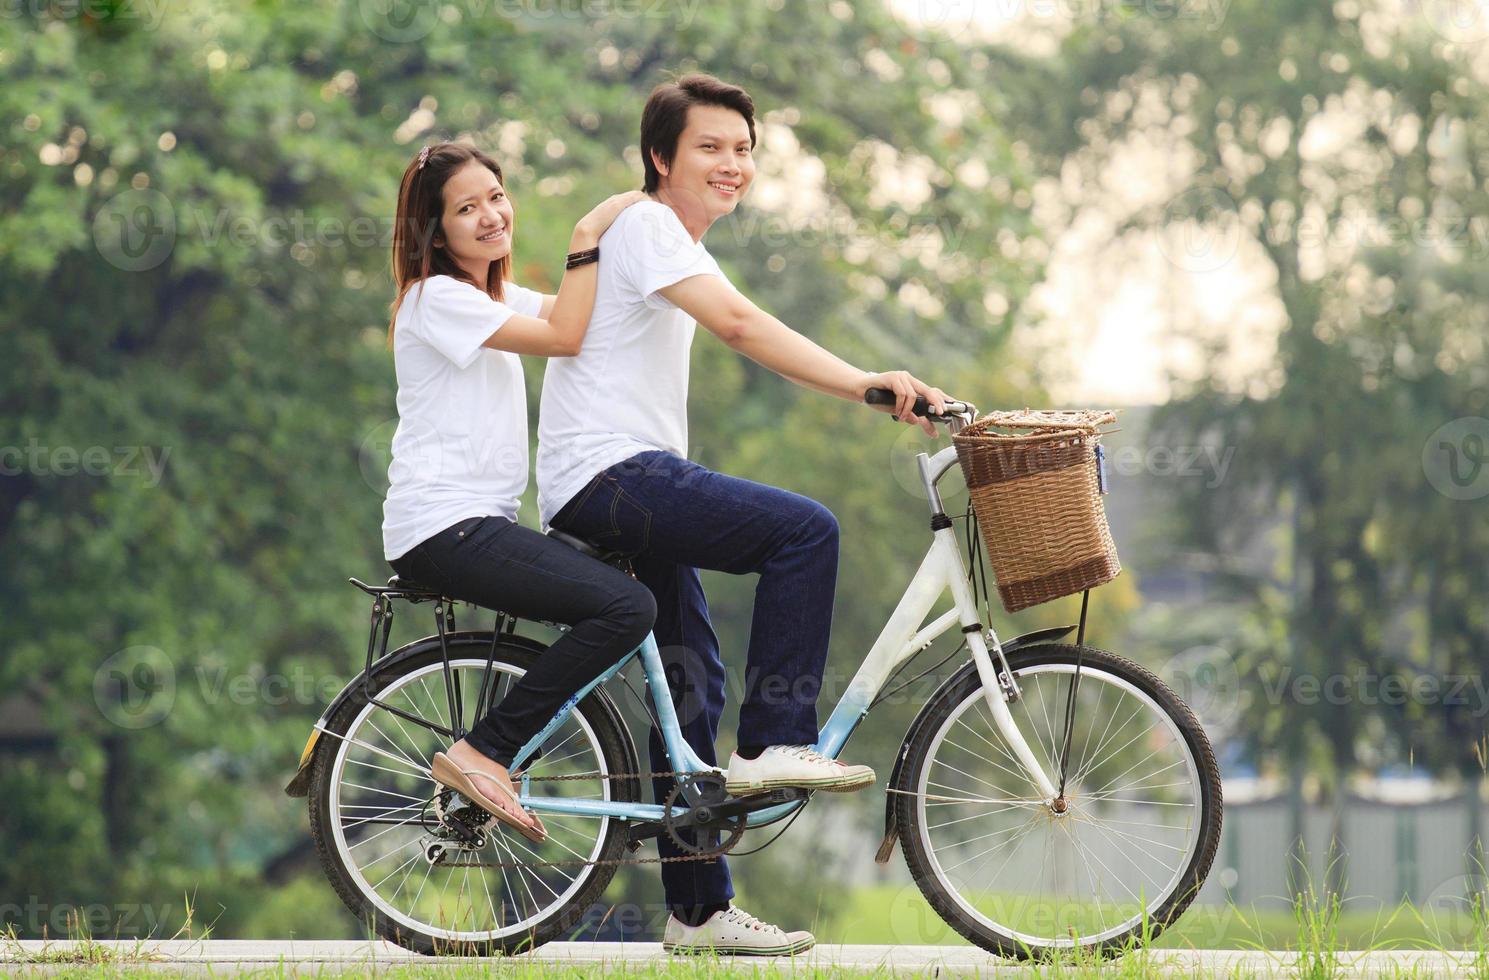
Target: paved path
(323, 957)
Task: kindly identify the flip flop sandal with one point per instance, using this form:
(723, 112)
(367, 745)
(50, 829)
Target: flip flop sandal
(448, 774)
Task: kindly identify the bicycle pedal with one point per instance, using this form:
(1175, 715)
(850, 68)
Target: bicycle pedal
(785, 794)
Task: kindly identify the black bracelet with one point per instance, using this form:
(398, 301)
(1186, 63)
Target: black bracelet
(576, 259)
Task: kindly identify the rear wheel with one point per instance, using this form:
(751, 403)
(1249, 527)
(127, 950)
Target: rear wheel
(415, 862)
(1142, 819)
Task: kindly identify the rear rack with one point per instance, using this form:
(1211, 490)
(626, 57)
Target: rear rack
(444, 621)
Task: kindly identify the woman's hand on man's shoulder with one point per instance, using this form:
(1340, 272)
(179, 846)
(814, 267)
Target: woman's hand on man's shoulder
(603, 215)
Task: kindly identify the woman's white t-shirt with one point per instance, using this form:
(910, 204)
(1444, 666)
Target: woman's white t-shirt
(460, 449)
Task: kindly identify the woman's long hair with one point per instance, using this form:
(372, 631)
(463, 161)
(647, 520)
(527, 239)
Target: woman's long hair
(421, 205)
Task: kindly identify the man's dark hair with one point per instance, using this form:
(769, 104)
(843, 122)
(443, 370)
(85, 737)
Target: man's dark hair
(666, 116)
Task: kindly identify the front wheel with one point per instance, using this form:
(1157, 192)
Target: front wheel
(1136, 839)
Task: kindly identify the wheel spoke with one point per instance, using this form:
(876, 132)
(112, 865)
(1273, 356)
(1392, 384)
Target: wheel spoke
(1084, 875)
(514, 887)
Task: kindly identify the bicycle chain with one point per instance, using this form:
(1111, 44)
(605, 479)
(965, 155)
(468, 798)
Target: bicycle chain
(570, 862)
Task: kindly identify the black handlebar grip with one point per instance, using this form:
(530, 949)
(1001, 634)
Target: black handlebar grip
(884, 396)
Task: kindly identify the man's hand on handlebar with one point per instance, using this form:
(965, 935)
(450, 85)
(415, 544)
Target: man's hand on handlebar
(906, 389)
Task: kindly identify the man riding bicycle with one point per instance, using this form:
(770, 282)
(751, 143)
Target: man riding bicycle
(613, 469)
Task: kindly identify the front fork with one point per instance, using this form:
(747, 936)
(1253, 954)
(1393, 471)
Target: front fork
(999, 687)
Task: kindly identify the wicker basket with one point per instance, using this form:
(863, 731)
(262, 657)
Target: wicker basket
(1036, 482)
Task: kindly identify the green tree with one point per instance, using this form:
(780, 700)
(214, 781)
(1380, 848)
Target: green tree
(1336, 146)
(194, 255)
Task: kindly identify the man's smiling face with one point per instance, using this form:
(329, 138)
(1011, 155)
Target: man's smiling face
(713, 164)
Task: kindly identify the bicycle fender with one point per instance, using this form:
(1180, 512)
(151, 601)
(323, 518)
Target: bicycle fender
(299, 785)
(891, 830)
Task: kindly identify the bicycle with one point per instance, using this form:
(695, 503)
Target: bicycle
(1042, 768)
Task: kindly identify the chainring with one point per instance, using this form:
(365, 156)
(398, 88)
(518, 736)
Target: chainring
(711, 792)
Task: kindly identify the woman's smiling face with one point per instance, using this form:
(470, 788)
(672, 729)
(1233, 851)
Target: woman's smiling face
(477, 221)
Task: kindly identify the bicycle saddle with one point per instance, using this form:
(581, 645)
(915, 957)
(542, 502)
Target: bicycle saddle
(404, 585)
(589, 548)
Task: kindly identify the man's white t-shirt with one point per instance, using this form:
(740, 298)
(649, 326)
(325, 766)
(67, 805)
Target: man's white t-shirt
(460, 449)
(627, 390)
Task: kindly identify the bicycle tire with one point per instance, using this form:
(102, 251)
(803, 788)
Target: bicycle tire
(466, 649)
(940, 710)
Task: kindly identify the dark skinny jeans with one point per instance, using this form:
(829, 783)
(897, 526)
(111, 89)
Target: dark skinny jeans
(501, 565)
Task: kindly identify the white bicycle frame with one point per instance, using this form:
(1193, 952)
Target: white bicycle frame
(903, 637)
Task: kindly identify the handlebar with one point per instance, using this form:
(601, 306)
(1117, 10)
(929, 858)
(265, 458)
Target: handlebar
(954, 409)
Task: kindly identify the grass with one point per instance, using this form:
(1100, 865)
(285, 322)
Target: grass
(1320, 939)
(83, 949)
(899, 914)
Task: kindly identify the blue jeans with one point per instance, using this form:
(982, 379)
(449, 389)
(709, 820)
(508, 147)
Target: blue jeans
(679, 517)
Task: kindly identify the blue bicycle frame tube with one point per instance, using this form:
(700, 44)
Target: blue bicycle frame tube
(684, 759)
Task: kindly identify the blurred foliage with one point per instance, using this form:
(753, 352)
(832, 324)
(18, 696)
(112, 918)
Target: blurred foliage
(1340, 148)
(194, 250)
(193, 282)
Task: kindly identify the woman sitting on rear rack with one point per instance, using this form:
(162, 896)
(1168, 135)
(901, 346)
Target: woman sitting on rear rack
(460, 451)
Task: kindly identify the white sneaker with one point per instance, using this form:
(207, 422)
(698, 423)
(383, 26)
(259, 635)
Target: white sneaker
(793, 765)
(734, 932)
